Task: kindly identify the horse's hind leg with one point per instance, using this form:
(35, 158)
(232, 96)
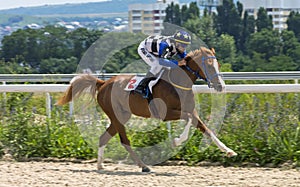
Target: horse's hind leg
(126, 143)
(103, 140)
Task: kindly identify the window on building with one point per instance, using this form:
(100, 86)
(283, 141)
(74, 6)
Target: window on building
(148, 32)
(136, 18)
(250, 10)
(136, 24)
(157, 31)
(136, 11)
(148, 25)
(136, 30)
(148, 19)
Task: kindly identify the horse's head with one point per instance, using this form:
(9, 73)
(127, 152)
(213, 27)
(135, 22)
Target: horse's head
(203, 64)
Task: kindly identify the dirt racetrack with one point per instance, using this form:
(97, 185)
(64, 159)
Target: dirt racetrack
(57, 174)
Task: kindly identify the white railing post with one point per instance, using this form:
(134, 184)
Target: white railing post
(71, 106)
(169, 129)
(48, 105)
(4, 99)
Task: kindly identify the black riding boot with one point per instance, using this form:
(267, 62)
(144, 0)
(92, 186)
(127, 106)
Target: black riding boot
(141, 88)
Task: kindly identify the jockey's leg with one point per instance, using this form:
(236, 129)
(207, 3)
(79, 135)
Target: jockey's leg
(155, 68)
(143, 84)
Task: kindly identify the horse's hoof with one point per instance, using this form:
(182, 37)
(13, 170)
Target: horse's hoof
(231, 154)
(175, 143)
(100, 167)
(145, 169)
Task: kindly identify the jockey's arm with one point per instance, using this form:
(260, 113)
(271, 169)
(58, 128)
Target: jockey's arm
(163, 54)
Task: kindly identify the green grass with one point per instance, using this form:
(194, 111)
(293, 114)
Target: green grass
(262, 128)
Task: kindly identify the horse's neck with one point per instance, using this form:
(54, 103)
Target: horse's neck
(181, 77)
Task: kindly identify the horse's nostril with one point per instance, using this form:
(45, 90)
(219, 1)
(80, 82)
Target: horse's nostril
(219, 87)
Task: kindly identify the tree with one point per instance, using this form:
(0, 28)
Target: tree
(228, 20)
(225, 49)
(248, 29)
(291, 46)
(256, 63)
(293, 23)
(267, 42)
(281, 63)
(193, 11)
(173, 14)
(289, 42)
(263, 21)
(54, 65)
(81, 39)
(29, 47)
(203, 28)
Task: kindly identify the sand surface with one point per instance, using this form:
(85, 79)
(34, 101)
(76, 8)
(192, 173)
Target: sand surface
(56, 174)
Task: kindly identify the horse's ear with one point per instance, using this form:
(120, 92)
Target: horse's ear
(213, 50)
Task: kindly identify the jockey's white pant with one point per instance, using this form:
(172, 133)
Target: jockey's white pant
(150, 59)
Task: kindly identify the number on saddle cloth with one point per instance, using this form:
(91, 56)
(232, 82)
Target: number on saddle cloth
(133, 83)
(136, 80)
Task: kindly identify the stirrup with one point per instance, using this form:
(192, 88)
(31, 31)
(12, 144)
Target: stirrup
(140, 90)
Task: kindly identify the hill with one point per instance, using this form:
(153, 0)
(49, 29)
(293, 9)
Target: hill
(110, 6)
(113, 6)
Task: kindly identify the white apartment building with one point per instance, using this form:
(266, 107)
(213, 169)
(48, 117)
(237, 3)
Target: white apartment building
(148, 18)
(278, 9)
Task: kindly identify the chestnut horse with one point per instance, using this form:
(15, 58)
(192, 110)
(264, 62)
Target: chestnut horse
(172, 99)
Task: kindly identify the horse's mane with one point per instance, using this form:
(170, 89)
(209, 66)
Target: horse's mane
(197, 52)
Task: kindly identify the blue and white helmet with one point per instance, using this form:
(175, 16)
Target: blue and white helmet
(182, 37)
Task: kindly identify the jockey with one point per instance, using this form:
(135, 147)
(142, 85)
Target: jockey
(162, 51)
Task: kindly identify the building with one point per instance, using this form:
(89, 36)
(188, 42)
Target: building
(278, 9)
(148, 18)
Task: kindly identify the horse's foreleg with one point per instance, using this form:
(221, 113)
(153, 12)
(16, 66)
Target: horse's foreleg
(205, 130)
(103, 140)
(185, 134)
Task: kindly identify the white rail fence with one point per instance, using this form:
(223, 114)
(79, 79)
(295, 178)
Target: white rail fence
(284, 75)
(233, 88)
(236, 88)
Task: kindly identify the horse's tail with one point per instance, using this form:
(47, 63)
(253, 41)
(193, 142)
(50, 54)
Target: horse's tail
(78, 85)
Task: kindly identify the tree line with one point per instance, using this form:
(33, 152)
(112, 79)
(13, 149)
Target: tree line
(242, 42)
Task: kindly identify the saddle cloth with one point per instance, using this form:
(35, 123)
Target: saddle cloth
(135, 80)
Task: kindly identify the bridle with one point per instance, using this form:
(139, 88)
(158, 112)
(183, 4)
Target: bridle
(207, 78)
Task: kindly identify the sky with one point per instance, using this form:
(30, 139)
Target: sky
(7, 4)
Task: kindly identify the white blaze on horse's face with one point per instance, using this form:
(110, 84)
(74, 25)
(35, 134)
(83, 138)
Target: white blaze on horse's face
(214, 78)
(220, 84)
